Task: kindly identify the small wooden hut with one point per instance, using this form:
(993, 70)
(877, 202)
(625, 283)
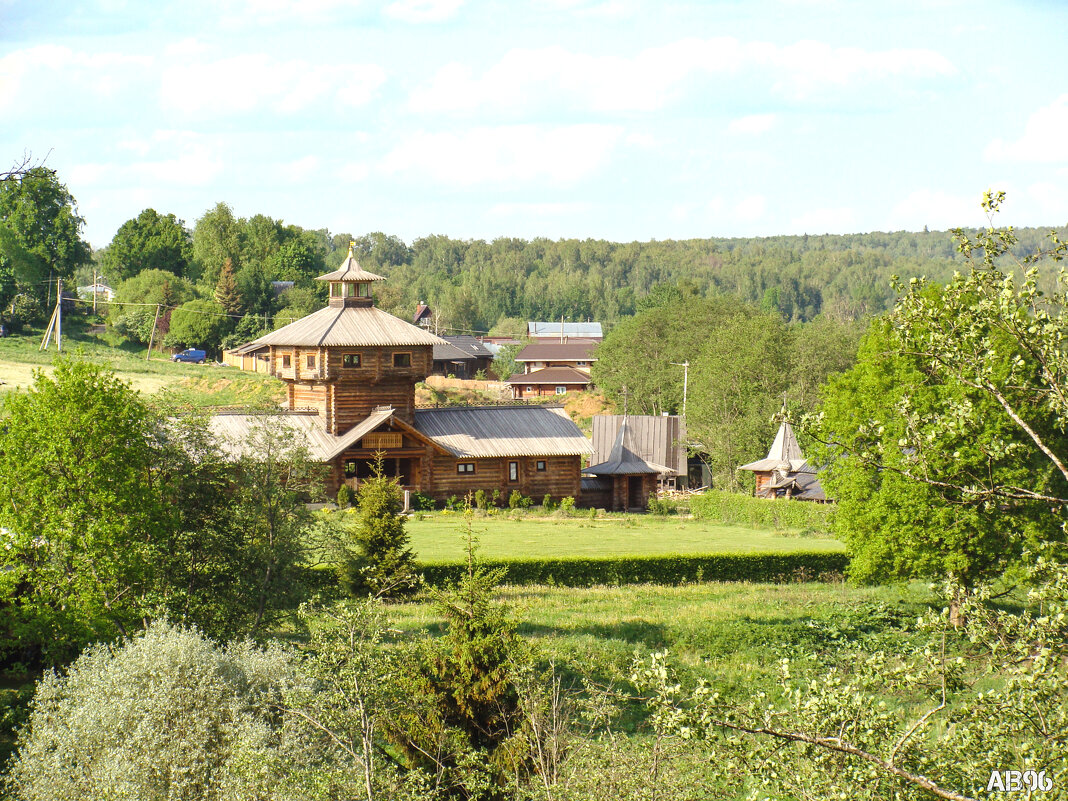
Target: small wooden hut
(784, 472)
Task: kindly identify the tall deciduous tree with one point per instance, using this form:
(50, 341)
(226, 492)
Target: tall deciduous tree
(150, 241)
(218, 236)
(78, 508)
(954, 418)
(738, 382)
(40, 230)
(199, 324)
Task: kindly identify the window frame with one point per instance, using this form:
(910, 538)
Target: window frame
(287, 361)
(465, 468)
(407, 357)
(513, 472)
(309, 361)
(345, 357)
(540, 466)
(561, 389)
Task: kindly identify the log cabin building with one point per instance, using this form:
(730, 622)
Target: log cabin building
(627, 478)
(350, 371)
(784, 472)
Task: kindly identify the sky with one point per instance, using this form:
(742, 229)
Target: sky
(615, 119)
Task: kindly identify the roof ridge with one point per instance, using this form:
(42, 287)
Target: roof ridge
(330, 327)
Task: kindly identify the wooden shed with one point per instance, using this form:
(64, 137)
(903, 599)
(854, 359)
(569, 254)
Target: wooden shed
(625, 480)
(784, 472)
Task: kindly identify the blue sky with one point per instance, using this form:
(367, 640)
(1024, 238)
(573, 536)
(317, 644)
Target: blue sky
(616, 119)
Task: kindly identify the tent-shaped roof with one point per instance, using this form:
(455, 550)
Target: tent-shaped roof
(785, 454)
(351, 326)
(624, 459)
(350, 270)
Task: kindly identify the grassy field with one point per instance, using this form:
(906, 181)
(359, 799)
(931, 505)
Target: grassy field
(193, 384)
(733, 632)
(436, 537)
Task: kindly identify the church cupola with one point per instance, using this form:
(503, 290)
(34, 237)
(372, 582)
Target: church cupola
(350, 284)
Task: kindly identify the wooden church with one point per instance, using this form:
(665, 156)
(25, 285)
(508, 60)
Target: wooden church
(350, 370)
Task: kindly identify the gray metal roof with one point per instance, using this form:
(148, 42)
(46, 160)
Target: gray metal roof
(460, 348)
(469, 344)
(237, 432)
(503, 431)
(655, 438)
(623, 460)
(535, 329)
(335, 326)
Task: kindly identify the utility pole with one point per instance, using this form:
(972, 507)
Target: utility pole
(685, 384)
(55, 325)
(152, 336)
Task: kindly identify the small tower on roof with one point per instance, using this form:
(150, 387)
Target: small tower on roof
(350, 284)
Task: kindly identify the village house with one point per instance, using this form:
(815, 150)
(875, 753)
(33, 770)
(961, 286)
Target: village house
(550, 381)
(540, 355)
(350, 371)
(784, 472)
(462, 357)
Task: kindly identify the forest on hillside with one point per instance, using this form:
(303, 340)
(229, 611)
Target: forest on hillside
(221, 270)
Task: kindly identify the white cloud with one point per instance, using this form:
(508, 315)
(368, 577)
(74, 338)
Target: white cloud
(753, 124)
(423, 11)
(171, 158)
(254, 81)
(1045, 137)
(57, 78)
(825, 221)
(935, 209)
(751, 208)
(537, 209)
(658, 76)
(506, 154)
(275, 10)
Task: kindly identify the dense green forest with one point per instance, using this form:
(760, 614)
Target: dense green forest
(225, 266)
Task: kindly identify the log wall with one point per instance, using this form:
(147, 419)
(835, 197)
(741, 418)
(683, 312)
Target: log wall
(560, 479)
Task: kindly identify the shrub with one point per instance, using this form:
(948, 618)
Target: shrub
(743, 510)
(421, 503)
(481, 501)
(344, 496)
(167, 714)
(518, 501)
(567, 505)
(669, 569)
(662, 506)
(547, 503)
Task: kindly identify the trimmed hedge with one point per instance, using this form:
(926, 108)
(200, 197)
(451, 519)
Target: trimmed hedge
(665, 569)
(735, 509)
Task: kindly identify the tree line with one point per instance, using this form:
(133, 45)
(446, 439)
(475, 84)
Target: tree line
(223, 270)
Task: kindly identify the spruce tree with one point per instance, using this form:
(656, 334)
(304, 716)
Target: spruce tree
(381, 564)
(227, 294)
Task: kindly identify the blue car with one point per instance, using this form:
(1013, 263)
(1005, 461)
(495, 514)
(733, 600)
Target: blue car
(190, 355)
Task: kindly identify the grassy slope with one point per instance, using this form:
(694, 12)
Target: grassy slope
(198, 385)
(436, 537)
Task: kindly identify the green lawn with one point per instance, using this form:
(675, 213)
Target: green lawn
(437, 537)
